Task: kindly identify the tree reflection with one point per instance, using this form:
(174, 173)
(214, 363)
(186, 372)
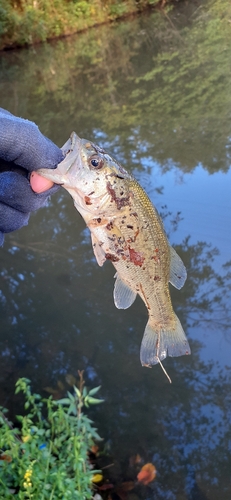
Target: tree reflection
(162, 83)
(207, 293)
(58, 316)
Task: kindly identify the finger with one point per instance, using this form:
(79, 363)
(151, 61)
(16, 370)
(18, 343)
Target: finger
(39, 184)
(22, 142)
(11, 219)
(15, 191)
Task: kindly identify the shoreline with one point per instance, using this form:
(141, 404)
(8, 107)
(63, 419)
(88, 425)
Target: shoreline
(34, 24)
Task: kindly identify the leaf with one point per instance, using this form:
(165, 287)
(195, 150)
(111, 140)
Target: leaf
(94, 390)
(71, 396)
(94, 401)
(64, 401)
(40, 432)
(70, 379)
(72, 409)
(95, 435)
(106, 486)
(19, 418)
(51, 390)
(147, 474)
(60, 385)
(77, 391)
(127, 485)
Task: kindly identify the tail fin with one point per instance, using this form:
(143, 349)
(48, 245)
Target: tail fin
(157, 345)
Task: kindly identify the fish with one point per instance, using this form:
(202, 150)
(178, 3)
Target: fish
(127, 230)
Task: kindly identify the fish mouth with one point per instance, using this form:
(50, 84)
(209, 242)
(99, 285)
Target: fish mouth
(72, 155)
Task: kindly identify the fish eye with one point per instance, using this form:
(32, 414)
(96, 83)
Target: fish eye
(96, 162)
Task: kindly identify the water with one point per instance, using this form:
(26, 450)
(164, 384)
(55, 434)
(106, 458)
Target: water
(155, 92)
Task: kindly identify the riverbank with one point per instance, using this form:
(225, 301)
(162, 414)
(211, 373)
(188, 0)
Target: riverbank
(27, 22)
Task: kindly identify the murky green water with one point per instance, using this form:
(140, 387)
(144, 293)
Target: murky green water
(155, 91)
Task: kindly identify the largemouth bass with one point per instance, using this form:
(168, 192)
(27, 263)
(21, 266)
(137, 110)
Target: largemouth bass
(127, 230)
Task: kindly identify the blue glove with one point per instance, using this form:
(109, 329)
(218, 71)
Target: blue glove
(23, 148)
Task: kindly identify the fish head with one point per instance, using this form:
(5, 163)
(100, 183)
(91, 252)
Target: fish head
(86, 170)
(99, 167)
(66, 170)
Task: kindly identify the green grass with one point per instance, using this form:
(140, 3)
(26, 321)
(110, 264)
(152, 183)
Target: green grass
(26, 22)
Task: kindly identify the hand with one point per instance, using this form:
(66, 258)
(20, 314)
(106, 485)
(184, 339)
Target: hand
(23, 149)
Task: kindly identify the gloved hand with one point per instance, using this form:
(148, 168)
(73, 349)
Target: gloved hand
(23, 149)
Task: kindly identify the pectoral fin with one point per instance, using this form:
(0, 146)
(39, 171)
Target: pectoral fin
(98, 250)
(123, 295)
(178, 273)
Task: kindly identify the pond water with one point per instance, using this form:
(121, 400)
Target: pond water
(155, 91)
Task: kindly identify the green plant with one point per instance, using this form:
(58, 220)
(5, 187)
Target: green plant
(47, 456)
(25, 22)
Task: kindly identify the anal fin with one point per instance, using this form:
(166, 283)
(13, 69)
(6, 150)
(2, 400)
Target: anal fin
(123, 295)
(178, 273)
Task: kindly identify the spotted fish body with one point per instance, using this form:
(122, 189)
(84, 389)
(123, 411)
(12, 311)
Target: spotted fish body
(127, 230)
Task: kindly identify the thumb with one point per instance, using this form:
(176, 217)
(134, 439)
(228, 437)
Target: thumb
(39, 184)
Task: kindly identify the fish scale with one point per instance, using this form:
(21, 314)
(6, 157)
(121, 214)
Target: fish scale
(157, 259)
(127, 230)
